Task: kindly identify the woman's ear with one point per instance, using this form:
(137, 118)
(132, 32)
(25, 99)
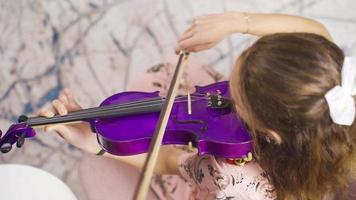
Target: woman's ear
(274, 136)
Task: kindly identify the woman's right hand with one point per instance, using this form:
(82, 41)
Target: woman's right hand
(79, 134)
(209, 30)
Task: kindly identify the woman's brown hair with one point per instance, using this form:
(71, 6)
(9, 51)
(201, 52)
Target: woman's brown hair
(278, 84)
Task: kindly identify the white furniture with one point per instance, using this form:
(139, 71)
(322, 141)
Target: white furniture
(21, 182)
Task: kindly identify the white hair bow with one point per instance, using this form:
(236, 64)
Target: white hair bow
(340, 100)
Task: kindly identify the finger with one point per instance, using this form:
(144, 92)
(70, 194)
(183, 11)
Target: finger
(68, 94)
(45, 112)
(61, 130)
(59, 107)
(49, 128)
(200, 47)
(57, 128)
(72, 103)
(186, 35)
(191, 27)
(177, 50)
(63, 98)
(189, 31)
(190, 43)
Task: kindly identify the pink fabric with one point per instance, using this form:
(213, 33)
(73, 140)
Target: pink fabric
(202, 178)
(212, 178)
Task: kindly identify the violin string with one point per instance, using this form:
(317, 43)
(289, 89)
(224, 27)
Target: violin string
(136, 103)
(104, 108)
(100, 109)
(145, 101)
(109, 113)
(115, 107)
(103, 112)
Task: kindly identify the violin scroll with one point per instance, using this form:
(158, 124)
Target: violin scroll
(16, 134)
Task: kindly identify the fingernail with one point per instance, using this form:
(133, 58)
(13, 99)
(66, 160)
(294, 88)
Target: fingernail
(49, 114)
(63, 112)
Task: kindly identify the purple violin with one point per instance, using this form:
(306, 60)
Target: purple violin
(125, 122)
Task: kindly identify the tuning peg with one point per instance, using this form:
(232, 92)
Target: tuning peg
(22, 118)
(20, 140)
(6, 147)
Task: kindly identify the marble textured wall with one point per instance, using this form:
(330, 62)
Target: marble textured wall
(96, 48)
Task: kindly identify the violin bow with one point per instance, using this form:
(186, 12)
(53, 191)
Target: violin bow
(156, 142)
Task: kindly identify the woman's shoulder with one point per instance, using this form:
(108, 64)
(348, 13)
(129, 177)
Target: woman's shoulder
(226, 181)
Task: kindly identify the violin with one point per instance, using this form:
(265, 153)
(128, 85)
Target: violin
(124, 123)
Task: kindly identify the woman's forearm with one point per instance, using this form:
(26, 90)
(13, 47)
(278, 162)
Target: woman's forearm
(166, 161)
(209, 30)
(263, 24)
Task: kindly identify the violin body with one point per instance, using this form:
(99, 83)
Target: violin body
(125, 122)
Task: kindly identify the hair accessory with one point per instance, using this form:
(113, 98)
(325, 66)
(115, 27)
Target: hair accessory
(340, 100)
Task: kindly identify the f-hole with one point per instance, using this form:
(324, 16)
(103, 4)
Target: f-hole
(203, 123)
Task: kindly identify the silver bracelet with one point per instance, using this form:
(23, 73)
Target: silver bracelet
(247, 21)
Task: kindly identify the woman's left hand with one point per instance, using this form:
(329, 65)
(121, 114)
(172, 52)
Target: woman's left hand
(207, 31)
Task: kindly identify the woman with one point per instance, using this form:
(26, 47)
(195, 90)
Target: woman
(281, 86)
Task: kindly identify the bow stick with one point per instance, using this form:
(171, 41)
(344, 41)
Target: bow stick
(146, 174)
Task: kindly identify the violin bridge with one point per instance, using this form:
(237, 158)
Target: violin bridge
(189, 104)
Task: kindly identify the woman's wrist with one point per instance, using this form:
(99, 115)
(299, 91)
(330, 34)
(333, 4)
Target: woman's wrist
(92, 146)
(241, 22)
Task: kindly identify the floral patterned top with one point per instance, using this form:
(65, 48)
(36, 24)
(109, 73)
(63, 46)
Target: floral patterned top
(213, 178)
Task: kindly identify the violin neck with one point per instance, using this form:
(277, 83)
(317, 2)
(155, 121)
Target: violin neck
(101, 112)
